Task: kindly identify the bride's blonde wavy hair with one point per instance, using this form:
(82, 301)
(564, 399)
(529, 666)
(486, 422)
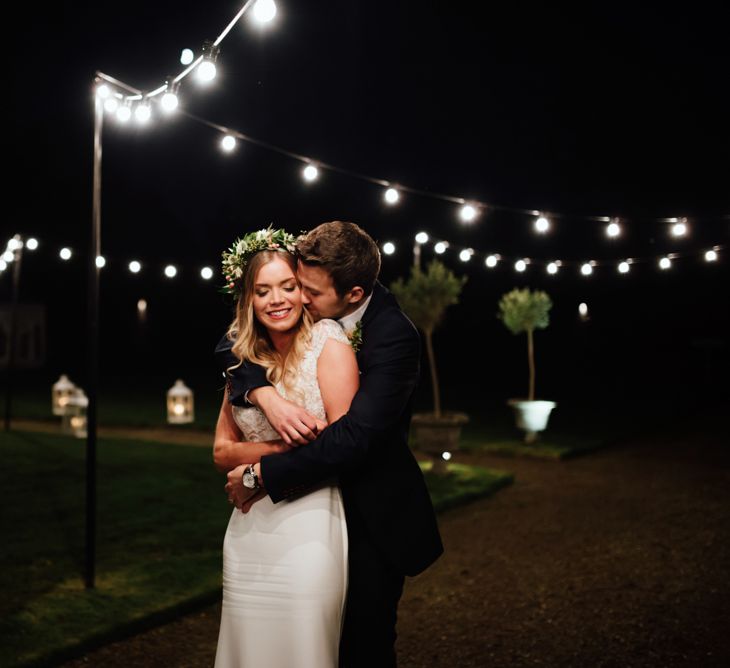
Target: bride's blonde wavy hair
(251, 341)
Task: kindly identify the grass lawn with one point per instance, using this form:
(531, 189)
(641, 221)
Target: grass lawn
(162, 515)
(555, 446)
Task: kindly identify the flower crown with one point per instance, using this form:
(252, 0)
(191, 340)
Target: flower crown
(236, 258)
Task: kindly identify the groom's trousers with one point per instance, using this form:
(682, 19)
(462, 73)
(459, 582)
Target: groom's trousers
(373, 591)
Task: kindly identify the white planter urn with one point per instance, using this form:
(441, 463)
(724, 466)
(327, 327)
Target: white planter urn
(531, 416)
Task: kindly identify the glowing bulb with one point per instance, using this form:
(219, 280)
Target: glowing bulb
(65, 253)
(206, 273)
(143, 113)
(228, 143)
(467, 213)
(586, 269)
(3, 265)
(388, 248)
(552, 268)
(169, 102)
(665, 263)
(264, 11)
(100, 261)
(520, 265)
(187, 56)
(491, 261)
(679, 229)
(623, 267)
(391, 195)
(111, 104)
(142, 306)
(124, 113)
(422, 237)
(711, 256)
(8, 256)
(465, 255)
(206, 71)
(542, 225)
(613, 230)
(440, 247)
(135, 267)
(31, 244)
(170, 271)
(14, 244)
(583, 309)
(446, 455)
(103, 91)
(310, 173)
(178, 409)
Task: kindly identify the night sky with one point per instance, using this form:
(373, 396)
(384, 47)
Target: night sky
(618, 110)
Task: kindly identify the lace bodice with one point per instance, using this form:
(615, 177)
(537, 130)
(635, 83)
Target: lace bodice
(305, 392)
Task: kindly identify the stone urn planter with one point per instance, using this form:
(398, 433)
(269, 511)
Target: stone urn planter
(436, 435)
(531, 416)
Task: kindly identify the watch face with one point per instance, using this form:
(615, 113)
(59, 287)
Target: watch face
(248, 480)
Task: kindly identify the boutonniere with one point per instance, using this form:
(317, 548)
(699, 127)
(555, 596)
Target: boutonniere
(355, 336)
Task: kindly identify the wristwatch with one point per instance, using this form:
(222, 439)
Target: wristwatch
(250, 479)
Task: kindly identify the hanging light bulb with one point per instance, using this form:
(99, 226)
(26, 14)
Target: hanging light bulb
(466, 254)
(680, 229)
(103, 91)
(624, 267)
(583, 311)
(187, 56)
(552, 268)
(711, 255)
(542, 224)
(491, 261)
(586, 268)
(228, 143)
(124, 113)
(100, 261)
(613, 229)
(264, 11)
(520, 265)
(3, 265)
(65, 253)
(310, 173)
(111, 104)
(8, 256)
(170, 271)
(135, 266)
(169, 100)
(31, 244)
(207, 70)
(389, 248)
(467, 213)
(143, 113)
(665, 263)
(206, 273)
(440, 247)
(421, 237)
(391, 195)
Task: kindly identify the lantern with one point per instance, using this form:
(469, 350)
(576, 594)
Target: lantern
(63, 389)
(180, 404)
(74, 417)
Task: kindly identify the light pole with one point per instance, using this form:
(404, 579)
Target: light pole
(15, 246)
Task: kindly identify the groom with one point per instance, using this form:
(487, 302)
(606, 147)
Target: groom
(392, 529)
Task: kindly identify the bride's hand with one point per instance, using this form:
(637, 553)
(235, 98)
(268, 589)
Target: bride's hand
(295, 425)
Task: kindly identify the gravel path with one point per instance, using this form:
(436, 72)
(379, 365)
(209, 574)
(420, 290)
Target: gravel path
(617, 559)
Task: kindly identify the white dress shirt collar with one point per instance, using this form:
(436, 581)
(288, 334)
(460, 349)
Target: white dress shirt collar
(350, 320)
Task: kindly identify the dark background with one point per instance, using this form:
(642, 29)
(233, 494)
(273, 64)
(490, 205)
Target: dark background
(617, 109)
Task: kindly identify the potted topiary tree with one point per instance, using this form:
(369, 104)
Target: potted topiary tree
(526, 311)
(425, 298)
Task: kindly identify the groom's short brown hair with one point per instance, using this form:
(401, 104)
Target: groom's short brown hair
(346, 251)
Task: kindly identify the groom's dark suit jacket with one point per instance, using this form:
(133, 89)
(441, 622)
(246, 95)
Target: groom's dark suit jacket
(367, 449)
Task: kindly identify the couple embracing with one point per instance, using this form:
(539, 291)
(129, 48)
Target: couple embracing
(332, 511)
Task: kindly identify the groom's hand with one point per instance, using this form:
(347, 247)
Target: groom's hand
(291, 422)
(239, 495)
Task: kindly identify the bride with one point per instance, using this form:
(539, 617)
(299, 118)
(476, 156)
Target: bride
(284, 565)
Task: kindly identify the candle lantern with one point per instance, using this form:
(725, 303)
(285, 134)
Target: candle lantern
(63, 389)
(180, 404)
(74, 417)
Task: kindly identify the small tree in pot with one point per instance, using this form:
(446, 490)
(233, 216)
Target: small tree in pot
(425, 298)
(526, 311)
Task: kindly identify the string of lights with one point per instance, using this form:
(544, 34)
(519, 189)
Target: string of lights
(439, 247)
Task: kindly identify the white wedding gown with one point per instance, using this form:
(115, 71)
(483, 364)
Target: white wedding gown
(285, 564)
